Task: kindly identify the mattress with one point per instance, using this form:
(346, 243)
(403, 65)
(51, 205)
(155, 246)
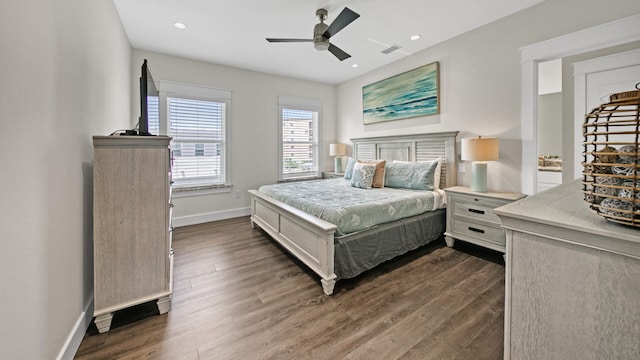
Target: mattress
(354, 209)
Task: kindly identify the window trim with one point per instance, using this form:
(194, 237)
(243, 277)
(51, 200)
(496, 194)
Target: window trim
(299, 104)
(198, 92)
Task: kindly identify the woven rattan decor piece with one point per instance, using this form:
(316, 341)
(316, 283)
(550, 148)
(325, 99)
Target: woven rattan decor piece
(611, 176)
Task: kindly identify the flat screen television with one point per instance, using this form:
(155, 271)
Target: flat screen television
(148, 95)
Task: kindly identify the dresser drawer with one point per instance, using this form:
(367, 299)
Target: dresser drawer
(466, 206)
(484, 232)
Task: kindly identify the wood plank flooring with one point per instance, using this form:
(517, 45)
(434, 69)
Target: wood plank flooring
(238, 295)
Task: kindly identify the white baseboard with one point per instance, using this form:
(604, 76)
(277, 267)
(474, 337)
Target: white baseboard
(74, 339)
(207, 217)
(79, 329)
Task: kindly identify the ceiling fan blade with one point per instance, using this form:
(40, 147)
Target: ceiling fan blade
(346, 17)
(289, 40)
(338, 52)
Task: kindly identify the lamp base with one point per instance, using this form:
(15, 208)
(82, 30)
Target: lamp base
(338, 165)
(479, 176)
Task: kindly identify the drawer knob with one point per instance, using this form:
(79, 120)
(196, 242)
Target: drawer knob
(476, 211)
(476, 230)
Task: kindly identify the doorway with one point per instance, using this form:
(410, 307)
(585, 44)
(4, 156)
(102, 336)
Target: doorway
(607, 35)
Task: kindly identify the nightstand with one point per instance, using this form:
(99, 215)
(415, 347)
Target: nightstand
(331, 175)
(470, 217)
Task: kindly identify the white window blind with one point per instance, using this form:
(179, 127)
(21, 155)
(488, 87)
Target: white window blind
(198, 130)
(153, 110)
(299, 123)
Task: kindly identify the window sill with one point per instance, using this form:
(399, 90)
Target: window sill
(197, 190)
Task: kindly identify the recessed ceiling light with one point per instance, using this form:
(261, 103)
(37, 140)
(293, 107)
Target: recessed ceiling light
(179, 25)
(354, 65)
(415, 37)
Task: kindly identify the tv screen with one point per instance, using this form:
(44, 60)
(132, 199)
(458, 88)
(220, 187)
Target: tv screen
(148, 100)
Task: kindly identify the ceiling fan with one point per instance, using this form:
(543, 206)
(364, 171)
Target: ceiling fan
(323, 32)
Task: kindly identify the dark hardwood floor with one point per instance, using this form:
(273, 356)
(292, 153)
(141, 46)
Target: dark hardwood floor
(237, 295)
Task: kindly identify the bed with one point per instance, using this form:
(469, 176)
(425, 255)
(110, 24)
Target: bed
(335, 252)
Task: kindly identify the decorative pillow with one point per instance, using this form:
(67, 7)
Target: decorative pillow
(378, 177)
(362, 176)
(424, 175)
(349, 168)
(416, 176)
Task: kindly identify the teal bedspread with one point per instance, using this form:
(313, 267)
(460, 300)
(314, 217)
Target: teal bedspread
(352, 209)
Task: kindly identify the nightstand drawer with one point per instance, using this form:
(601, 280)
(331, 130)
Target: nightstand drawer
(482, 211)
(483, 232)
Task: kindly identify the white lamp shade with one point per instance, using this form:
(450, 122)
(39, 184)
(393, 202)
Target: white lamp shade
(337, 150)
(479, 149)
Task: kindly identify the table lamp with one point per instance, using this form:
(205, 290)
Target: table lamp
(338, 150)
(479, 150)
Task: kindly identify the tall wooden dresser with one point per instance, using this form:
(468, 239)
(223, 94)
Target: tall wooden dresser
(133, 259)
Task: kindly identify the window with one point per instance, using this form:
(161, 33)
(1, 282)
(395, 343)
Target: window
(197, 125)
(299, 124)
(197, 119)
(154, 114)
(199, 149)
(177, 150)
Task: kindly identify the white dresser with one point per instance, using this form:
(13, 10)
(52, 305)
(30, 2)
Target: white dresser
(133, 260)
(572, 280)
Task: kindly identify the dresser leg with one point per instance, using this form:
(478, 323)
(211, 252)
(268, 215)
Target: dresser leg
(103, 322)
(449, 241)
(164, 304)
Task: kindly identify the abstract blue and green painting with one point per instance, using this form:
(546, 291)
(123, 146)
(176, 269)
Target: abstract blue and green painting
(410, 94)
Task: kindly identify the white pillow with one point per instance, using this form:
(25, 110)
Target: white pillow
(436, 176)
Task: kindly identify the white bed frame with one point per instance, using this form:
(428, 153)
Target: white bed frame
(311, 239)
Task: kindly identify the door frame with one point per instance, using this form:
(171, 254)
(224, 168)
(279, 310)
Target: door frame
(581, 70)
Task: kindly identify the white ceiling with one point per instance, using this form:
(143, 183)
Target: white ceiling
(233, 32)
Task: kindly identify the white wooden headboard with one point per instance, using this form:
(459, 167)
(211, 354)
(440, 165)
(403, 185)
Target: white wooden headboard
(418, 147)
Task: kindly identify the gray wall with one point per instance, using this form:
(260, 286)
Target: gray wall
(64, 76)
(550, 124)
(480, 79)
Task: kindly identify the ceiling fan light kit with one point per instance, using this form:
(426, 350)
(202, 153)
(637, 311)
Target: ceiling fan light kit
(323, 32)
(321, 45)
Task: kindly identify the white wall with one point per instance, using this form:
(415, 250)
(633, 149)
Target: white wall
(550, 77)
(480, 81)
(254, 126)
(64, 76)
